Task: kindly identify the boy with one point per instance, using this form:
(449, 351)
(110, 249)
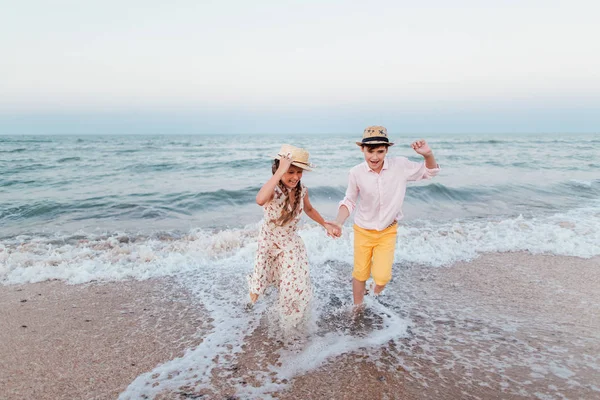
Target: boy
(380, 183)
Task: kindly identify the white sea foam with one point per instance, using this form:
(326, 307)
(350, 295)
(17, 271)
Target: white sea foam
(220, 287)
(117, 257)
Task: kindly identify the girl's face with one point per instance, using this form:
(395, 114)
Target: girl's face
(292, 176)
(374, 157)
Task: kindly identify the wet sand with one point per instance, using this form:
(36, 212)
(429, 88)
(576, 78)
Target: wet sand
(504, 326)
(60, 341)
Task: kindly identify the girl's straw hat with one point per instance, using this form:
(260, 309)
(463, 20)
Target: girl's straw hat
(375, 135)
(299, 156)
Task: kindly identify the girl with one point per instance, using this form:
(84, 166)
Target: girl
(281, 256)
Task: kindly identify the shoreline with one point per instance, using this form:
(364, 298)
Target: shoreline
(503, 326)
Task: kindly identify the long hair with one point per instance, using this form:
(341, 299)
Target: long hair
(287, 213)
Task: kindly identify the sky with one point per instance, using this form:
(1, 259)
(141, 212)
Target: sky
(218, 67)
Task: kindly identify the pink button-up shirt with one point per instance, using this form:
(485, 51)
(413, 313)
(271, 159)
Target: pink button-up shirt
(382, 194)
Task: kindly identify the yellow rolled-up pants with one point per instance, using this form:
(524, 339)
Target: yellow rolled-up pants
(374, 253)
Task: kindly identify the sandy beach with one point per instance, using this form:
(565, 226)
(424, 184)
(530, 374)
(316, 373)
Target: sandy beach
(90, 341)
(504, 326)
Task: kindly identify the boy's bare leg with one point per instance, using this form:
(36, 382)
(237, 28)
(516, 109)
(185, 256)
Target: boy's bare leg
(358, 291)
(378, 289)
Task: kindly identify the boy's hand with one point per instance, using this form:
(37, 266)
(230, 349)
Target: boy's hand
(422, 148)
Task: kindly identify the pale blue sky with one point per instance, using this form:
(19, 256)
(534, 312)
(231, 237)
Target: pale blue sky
(299, 66)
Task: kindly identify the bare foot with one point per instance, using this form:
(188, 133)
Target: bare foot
(253, 297)
(378, 289)
(358, 310)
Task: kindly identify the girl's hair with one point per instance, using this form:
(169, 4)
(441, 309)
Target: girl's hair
(286, 213)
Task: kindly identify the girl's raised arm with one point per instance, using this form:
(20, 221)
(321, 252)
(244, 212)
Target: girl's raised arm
(266, 192)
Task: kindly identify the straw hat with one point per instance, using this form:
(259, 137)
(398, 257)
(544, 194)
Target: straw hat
(299, 156)
(375, 135)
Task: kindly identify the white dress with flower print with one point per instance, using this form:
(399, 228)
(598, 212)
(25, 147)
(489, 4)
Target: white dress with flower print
(281, 261)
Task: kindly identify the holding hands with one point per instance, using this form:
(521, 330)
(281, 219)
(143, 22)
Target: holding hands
(334, 229)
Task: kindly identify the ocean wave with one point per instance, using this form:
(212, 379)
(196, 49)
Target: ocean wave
(68, 159)
(84, 257)
(157, 205)
(189, 201)
(127, 151)
(29, 167)
(34, 209)
(239, 164)
(589, 189)
(14, 182)
(327, 192)
(137, 205)
(178, 143)
(88, 209)
(468, 142)
(510, 193)
(537, 141)
(152, 167)
(20, 139)
(437, 191)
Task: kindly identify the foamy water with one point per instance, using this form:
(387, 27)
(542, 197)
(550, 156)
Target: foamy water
(80, 258)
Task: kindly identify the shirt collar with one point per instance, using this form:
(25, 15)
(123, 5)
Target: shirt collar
(385, 165)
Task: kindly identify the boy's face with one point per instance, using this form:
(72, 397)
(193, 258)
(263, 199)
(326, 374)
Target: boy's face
(374, 156)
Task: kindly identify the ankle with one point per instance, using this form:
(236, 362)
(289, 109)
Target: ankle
(378, 289)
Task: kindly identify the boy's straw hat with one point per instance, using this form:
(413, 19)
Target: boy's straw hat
(375, 135)
(299, 156)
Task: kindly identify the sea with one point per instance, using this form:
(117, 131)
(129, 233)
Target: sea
(110, 208)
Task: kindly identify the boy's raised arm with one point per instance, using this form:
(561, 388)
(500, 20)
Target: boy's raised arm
(422, 148)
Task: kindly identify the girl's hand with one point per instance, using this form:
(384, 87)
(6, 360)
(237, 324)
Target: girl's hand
(422, 148)
(284, 163)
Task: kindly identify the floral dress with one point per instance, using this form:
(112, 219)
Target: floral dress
(281, 261)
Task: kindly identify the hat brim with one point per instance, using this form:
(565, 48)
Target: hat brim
(374, 142)
(297, 164)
